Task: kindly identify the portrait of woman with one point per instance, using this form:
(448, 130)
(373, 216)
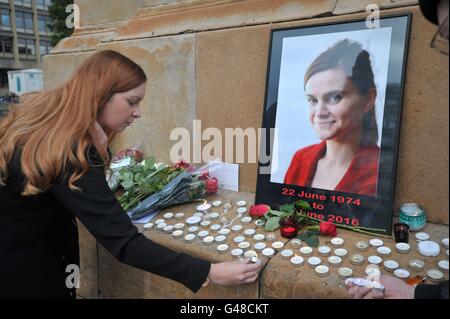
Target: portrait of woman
(53, 155)
(340, 91)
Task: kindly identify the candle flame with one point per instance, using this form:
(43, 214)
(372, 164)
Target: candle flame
(205, 202)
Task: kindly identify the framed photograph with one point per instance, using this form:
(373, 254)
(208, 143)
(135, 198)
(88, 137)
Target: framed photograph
(332, 117)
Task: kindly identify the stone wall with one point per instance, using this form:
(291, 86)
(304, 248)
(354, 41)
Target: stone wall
(207, 60)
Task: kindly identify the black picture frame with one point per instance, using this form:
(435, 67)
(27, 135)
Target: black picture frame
(352, 209)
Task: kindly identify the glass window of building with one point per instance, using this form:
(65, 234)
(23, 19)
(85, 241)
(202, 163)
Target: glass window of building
(5, 20)
(28, 17)
(6, 45)
(20, 23)
(42, 23)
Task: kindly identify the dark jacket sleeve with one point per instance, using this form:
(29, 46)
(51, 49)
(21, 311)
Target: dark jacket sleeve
(429, 9)
(97, 208)
(432, 291)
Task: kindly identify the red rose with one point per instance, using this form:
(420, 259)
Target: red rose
(212, 185)
(328, 229)
(258, 211)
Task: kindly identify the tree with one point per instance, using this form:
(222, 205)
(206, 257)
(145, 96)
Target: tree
(57, 12)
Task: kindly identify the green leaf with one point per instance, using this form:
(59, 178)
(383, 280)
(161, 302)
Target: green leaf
(288, 208)
(312, 240)
(304, 205)
(127, 184)
(302, 236)
(275, 213)
(272, 223)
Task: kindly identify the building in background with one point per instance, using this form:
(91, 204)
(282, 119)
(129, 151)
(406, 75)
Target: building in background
(24, 36)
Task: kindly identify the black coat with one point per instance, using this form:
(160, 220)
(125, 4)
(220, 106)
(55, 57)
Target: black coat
(39, 236)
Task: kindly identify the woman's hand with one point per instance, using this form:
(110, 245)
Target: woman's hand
(233, 273)
(101, 135)
(394, 289)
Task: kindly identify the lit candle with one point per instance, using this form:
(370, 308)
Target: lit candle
(189, 238)
(260, 246)
(268, 252)
(194, 220)
(345, 272)
(334, 261)
(239, 239)
(220, 239)
(357, 259)
(322, 270)
(314, 261)
(337, 242)
(390, 265)
(244, 245)
(362, 246)
(435, 275)
(203, 208)
(324, 250)
(341, 252)
(297, 261)
(375, 243)
(277, 245)
(177, 234)
(168, 215)
(208, 240)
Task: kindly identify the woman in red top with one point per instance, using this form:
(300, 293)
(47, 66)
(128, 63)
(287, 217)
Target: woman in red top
(341, 94)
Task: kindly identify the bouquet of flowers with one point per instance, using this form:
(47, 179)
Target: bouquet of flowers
(146, 187)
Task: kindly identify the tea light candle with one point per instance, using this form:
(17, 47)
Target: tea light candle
(168, 215)
(259, 223)
(324, 250)
(403, 248)
(220, 239)
(384, 251)
(322, 270)
(236, 228)
(208, 240)
(179, 226)
(148, 226)
(239, 239)
(224, 231)
(249, 232)
(236, 253)
(203, 207)
(390, 265)
(314, 261)
(429, 248)
(259, 237)
(241, 210)
(193, 229)
(179, 216)
(198, 214)
(268, 252)
(416, 265)
(375, 242)
(422, 236)
(373, 270)
(334, 261)
(168, 229)
(216, 203)
(241, 203)
(271, 237)
(250, 254)
(161, 226)
(223, 248)
(296, 243)
(445, 243)
(177, 234)
(443, 265)
(435, 275)
(205, 223)
(160, 221)
(286, 253)
(215, 227)
(362, 246)
(189, 238)
(401, 273)
(374, 260)
(203, 234)
(297, 261)
(194, 220)
(246, 220)
(214, 215)
(277, 245)
(341, 252)
(244, 245)
(345, 272)
(306, 251)
(337, 242)
(357, 259)
(260, 246)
